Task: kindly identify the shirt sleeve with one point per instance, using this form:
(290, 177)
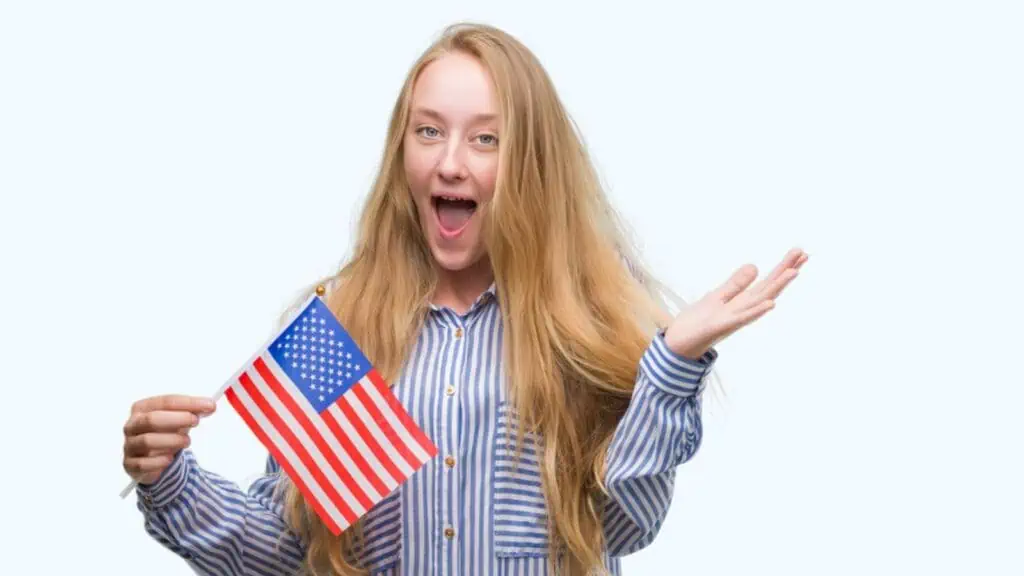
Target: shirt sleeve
(215, 526)
(660, 430)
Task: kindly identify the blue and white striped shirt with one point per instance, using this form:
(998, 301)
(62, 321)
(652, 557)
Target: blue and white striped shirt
(468, 511)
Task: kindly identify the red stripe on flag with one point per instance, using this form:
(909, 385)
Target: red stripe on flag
(284, 462)
(353, 452)
(403, 416)
(313, 433)
(371, 442)
(300, 450)
(385, 426)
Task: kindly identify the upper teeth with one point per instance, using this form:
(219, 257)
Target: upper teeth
(452, 198)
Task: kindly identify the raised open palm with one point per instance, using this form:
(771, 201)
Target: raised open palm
(733, 305)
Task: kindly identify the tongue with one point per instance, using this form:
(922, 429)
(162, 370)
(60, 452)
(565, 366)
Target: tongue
(453, 215)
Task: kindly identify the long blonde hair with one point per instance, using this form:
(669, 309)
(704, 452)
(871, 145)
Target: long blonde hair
(577, 306)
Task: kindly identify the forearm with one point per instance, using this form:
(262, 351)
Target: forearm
(661, 429)
(217, 527)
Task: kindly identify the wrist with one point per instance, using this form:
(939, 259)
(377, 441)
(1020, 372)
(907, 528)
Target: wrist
(687, 347)
(674, 373)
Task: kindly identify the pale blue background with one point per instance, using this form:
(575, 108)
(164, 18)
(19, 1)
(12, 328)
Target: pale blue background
(173, 172)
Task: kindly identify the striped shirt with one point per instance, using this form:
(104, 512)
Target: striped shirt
(469, 510)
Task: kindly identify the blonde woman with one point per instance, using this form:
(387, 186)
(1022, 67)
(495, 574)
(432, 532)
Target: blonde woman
(492, 285)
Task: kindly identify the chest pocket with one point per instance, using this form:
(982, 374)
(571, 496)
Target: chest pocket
(382, 530)
(520, 513)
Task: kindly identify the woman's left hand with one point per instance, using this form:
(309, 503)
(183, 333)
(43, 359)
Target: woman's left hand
(732, 306)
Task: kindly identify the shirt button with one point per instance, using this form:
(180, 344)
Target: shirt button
(449, 390)
(449, 461)
(458, 332)
(449, 532)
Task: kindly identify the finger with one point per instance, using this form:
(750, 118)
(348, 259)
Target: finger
(772, 291)
(738, 282)
(790, 260)
(753, 313)
(159, 421)
(146, 464)
(155, 443)
(175, 402)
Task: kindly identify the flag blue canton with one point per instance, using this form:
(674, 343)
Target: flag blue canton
(319, 356)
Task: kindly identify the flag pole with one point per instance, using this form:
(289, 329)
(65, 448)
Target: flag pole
(320, 291)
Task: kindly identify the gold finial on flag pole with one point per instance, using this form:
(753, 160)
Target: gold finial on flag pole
(320, 290)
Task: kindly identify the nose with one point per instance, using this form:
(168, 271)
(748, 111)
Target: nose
(453, 163)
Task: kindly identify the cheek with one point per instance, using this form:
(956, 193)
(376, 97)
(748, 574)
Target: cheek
(486, 175)
(418, 168)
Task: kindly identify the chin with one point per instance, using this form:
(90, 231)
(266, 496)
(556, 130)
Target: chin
(455, 260)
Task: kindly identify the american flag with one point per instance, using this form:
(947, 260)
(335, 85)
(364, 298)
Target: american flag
(328, 417)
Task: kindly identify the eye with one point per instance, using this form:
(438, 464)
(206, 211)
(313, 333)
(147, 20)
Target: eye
(428, 131)
(488, 139)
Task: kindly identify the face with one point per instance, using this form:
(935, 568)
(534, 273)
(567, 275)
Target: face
(451, 157)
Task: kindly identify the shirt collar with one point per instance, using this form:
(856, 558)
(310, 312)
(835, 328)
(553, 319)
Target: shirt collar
(491, 293)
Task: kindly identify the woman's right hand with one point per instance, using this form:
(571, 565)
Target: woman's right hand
(157, 430)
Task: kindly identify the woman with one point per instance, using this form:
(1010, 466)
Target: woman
(512, 318)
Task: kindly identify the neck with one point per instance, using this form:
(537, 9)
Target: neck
(458, 289)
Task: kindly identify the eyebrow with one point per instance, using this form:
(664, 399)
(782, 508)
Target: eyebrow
(437, 115)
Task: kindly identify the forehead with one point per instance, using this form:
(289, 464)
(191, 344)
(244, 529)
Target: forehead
(455, 84)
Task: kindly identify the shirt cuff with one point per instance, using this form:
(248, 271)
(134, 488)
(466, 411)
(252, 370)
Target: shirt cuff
(673, 373)
(170, 483)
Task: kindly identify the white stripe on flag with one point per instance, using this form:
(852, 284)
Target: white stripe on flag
(286, 451)
(385, 409)
(372, 458)
(328, 435)
(375, 431)
(300, 434)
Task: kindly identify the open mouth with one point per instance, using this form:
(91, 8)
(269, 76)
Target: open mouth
(453, 213)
